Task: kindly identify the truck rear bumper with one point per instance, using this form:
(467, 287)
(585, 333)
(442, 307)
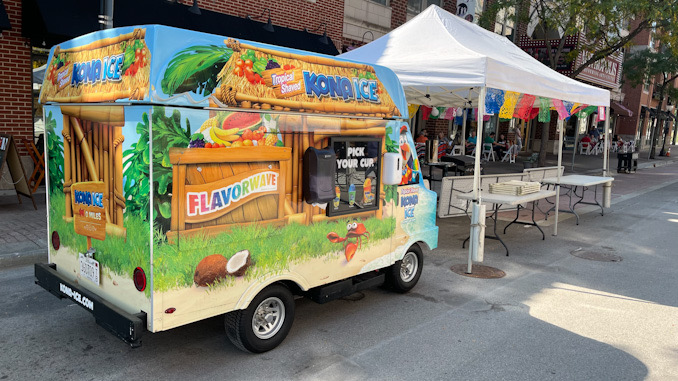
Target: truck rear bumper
(128, 327)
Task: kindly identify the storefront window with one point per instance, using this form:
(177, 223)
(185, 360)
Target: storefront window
(416, 6)
(357, 180)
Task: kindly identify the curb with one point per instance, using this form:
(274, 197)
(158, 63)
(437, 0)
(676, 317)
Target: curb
(22, 259)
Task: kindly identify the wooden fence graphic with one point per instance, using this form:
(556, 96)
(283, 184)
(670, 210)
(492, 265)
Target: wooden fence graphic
(93, 152)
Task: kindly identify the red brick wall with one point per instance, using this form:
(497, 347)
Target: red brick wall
(398, 13)
(634, 97)
(295, 14)
(16, 112)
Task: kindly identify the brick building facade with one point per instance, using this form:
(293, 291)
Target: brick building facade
(15, 78)
(642, 100)
(16, 111)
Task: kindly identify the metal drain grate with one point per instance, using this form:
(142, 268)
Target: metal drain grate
(596, 256)
(479, 271)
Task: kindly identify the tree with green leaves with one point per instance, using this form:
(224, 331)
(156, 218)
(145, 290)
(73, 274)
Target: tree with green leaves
(605, 27)
(660, 65)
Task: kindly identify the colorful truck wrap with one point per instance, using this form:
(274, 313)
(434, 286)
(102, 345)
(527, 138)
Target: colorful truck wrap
(177, 171)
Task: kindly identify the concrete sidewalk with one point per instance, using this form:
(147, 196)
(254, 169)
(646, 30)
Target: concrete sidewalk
(24, 237)
(23, 230)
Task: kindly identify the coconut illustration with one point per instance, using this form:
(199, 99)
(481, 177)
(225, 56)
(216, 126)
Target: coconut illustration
(239, 263)
(210, 269)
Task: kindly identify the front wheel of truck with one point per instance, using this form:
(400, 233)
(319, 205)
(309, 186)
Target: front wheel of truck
(265, 323)
(403, 275)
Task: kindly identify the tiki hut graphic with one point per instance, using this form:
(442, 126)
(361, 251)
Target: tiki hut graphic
(93, 153)
(304, 83)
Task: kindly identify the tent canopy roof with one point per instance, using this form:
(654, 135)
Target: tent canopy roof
(450, 59)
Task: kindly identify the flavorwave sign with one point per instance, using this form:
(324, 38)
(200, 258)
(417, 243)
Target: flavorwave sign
(225, 197)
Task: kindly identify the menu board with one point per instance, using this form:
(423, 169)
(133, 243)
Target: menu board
(356, 183)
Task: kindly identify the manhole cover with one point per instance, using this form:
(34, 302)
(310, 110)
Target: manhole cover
(479, 271)
(596, 256)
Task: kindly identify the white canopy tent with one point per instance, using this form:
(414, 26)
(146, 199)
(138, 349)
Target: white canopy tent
(443, 60)
(440, 54)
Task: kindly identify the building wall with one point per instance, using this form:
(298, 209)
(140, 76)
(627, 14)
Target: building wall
(16, 115)
(636, 98)
(15, 53)
(295, 14)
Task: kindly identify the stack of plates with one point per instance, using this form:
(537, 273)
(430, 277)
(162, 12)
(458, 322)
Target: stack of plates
(515, 187)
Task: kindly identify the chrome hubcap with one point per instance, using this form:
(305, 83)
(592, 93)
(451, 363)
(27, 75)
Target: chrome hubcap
(409, 266)
(268, 318)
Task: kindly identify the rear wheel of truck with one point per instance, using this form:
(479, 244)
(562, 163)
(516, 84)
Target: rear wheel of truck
(265, 323)
(403, 275)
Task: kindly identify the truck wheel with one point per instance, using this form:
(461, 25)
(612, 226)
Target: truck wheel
(265, 323)
(403, 275)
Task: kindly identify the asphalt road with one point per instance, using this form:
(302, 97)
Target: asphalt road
(555, 316)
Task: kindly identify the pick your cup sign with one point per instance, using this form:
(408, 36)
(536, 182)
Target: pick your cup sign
(355, 158)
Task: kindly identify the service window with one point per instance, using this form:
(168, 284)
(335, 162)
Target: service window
(356, 184)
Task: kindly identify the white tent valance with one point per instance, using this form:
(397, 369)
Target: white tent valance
(450, 59)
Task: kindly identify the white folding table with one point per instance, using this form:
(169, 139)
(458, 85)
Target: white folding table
(502, 199)
(571, 183)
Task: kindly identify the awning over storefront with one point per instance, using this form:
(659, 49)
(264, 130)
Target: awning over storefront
(57, 21)
(4, 20)
(619, 109)
(662, 114)
(53, 22)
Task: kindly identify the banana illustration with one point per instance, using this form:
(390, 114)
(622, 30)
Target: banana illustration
(227, 135)
(230, 131)
(211, 122)
(215, 138)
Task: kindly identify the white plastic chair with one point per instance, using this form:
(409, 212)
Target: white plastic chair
(457, 150)
(488, 152)
(510, 154)
(585, 148)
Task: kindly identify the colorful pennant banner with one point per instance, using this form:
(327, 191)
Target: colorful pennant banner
(510, 101)
(544, 109)
(524, 108)
(601, 113)
(494, 99)
(560, 107)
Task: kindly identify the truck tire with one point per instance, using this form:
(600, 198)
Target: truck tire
(265, 323)
(403, 275)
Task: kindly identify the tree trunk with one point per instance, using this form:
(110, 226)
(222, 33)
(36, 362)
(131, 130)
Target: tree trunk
(543, 144)
(657, 123)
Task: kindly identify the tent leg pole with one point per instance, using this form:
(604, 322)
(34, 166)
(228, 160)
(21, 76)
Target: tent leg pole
(475, 238)
(560, 162)
(607, 142)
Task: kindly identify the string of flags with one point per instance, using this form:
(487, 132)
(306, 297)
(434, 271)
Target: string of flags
(510, 104)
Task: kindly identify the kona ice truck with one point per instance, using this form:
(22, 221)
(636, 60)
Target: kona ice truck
(192, 175)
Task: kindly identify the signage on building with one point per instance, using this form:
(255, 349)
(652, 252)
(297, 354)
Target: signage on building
(604, 72)
(466, 9)
(539, 51)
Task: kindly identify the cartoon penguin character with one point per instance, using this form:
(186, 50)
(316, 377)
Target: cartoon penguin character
(410, 162)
